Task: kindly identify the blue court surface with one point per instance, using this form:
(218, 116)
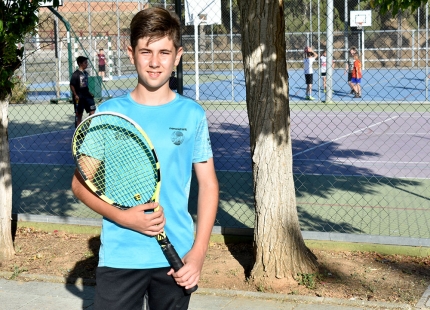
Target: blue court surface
(324, 143)
(381, 85)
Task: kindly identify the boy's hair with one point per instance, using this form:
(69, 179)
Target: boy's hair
(80, 60)
(353, 48)
(100, 50)
(155, 23)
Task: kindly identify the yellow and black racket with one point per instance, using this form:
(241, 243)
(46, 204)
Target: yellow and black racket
(118, 163)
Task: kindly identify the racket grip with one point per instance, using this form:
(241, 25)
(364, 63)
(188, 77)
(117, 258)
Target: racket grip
(174, 259)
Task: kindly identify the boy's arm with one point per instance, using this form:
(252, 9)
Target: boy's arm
(135, 218)
(73, 90)
(207, 206)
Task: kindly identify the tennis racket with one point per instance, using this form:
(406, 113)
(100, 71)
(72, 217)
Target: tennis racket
(118, 163)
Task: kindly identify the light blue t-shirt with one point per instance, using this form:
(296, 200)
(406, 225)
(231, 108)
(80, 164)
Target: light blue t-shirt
(180, 135)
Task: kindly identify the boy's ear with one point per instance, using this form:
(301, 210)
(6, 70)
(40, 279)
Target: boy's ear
(130, 54)
(179, 53)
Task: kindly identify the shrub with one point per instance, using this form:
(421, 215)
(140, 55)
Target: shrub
(19, 90)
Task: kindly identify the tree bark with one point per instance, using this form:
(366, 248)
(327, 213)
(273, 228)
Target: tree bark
(6, 244)
(279, 248)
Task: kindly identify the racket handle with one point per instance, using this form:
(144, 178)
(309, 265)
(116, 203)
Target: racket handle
(174, 259)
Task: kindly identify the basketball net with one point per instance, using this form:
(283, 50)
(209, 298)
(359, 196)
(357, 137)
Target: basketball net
(359, 25)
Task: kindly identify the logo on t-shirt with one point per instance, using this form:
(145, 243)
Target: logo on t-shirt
(177, 137)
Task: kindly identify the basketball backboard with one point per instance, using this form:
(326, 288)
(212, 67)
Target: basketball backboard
(360, 18)
(203, 11)
(50, 3)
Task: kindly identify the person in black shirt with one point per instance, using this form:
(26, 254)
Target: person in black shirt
(82, 98)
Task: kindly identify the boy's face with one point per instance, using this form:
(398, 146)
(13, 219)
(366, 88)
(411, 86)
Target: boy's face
(154, 62)
(84, 64)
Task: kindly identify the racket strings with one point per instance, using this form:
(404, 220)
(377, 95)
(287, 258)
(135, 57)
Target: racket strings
(116, 158)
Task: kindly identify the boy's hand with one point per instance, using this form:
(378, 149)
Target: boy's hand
(144, 219)
(189, 275)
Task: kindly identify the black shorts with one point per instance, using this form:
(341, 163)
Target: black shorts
(309, 78)
(102, 68)
(85, 103)
(349, 76)
(125, 289)
(324, 74)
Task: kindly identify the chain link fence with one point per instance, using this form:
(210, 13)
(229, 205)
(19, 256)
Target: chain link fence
(361, 165)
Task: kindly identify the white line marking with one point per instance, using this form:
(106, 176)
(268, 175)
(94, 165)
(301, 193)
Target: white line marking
(347, 135)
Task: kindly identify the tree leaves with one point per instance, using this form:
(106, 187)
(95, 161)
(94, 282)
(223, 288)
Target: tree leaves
(395, 6)
(17, 18)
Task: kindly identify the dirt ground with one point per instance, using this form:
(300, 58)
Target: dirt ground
(351, 275)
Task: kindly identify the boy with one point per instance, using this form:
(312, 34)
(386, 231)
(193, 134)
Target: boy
(356, 76)
(102, 63)
(323, 59)
(82, 98)
(131, 262)
(349, 66)
(310, 57)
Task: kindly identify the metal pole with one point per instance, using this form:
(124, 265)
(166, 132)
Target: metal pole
(69, 43)
(329, 74)
(310, 20)
(427, 45)
(362, 48)
(196, 54)
(346, 30)
(319, 53)
(231, 52)
(90, 33)
(118, 40)
(179, 68)
(57, 67)
(418, 38)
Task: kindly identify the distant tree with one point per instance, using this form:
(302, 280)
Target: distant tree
(396, 6)
(17, 19)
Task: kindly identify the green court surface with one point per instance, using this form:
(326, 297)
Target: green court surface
(353, 205)
(325, 203)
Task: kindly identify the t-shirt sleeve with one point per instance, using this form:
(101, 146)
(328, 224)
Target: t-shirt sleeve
(73, 81)
(203, 148)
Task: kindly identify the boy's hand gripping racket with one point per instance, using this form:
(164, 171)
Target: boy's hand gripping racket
(118, 163)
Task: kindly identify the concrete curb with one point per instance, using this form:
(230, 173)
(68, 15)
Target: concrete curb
(244, 294)
(304, 299)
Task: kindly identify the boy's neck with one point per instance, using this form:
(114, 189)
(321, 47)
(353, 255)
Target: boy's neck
(152, 98)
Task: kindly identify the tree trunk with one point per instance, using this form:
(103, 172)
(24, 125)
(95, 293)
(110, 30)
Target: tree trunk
(279, 248)
(6, 245)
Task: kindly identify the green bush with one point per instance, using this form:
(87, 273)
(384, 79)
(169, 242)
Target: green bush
(19, 90)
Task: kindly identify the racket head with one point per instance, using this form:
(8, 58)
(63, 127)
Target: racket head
(117, 160)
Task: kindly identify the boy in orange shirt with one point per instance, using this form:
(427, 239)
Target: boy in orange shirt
(356, 76)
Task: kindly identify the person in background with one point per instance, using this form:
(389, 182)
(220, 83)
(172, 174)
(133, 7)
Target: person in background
(102, 63)
(82, 97)
(310, 57)
(349, 67)
(356, 76)
(323, 60)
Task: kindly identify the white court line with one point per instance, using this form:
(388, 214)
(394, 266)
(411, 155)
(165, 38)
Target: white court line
(40, 134)
(380, 162)
(35, 151)
(347, 135)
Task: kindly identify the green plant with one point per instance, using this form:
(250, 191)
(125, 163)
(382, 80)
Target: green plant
(16, 271)
(308, 279)
(19, 90)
